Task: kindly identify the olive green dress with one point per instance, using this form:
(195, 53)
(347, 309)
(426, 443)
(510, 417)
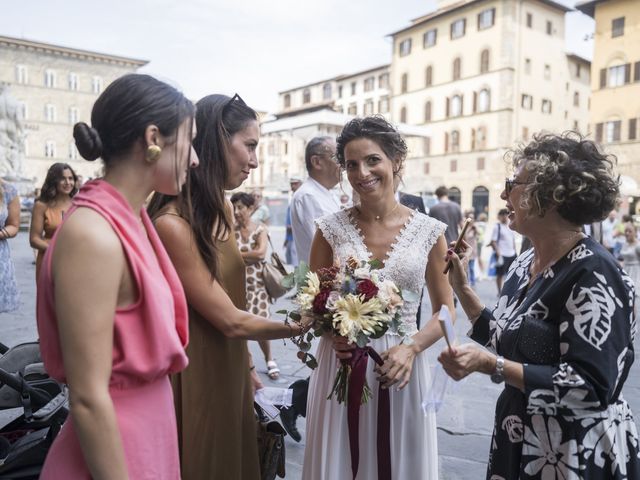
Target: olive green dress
(214, 395)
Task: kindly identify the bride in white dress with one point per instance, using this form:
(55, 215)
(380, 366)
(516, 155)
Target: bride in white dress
(412, 247)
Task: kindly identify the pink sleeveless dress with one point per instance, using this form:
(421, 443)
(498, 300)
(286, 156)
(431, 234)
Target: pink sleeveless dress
(149, 342)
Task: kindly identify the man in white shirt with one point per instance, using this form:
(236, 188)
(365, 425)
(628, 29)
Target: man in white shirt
(503, 242)
(314, 198)
(311, 201)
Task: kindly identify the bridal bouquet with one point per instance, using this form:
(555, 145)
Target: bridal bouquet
(353, 302)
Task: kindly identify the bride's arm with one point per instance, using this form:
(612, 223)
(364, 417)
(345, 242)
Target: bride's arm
(440, 294)
(399, 359)
(322, 256)
(321, 253)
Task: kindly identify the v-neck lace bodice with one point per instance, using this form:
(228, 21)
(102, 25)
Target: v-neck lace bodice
(393, 244)
(405, 262)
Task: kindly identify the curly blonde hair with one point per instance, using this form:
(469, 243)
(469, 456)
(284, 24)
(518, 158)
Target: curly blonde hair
(569, 173)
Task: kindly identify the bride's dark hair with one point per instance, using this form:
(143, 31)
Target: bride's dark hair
(374, 128)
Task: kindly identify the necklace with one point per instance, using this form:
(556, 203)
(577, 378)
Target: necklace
(379, 218)
(554, 258)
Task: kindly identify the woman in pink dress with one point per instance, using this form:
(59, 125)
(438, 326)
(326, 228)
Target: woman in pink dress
(112, 315)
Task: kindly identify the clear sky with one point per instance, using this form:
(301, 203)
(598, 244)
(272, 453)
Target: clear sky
(251, 47)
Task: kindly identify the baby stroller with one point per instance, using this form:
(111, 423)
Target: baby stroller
(33, 407)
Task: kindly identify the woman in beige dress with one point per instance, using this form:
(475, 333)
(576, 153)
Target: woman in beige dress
(54, 200)
(214, 395)
(252, 240)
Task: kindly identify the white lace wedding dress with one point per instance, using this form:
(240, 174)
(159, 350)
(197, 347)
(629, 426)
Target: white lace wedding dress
(414, 452)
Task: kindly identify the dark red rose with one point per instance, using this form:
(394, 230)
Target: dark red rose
(320, 302)
(367, 288)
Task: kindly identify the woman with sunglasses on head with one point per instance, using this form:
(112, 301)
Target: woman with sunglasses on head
(54, 200)
(112, 316)
(561, 335)
(214, 396)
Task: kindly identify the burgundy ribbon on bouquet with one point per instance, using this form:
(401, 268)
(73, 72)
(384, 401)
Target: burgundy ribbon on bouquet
(358, 362)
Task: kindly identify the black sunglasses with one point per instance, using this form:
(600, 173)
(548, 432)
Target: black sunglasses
(510, 183)
(236, 97)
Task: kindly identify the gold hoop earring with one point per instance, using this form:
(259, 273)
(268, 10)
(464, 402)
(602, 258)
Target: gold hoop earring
(153, 153)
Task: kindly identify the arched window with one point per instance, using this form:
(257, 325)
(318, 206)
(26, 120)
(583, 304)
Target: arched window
(455, 195)
(428, 76)
(456, 105)
(480, 200)
(287, 100)
(404, 83)
(457, 63)
(455, 141)
(427, 111)
(484, 61)
(326, 91)
(403, 114)
(481, 138)
(306, 96)
(484, 100)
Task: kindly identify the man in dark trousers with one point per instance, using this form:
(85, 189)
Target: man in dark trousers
(447, 212)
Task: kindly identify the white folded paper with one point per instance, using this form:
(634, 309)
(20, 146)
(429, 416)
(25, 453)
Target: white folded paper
(270, 398)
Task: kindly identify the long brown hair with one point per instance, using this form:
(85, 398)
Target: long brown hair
(55, 173)
(202, 200)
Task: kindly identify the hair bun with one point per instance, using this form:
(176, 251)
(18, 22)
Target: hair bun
(87, 140)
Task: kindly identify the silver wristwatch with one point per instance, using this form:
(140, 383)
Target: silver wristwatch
(498, 375)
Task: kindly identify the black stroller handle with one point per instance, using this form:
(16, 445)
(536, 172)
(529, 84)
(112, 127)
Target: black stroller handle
(16, 382)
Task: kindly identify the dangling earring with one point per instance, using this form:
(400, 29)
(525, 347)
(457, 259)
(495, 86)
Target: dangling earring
(153, 153)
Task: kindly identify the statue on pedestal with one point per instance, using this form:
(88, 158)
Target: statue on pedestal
(12, 135)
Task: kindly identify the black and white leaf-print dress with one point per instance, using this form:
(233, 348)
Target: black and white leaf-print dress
(573, 331)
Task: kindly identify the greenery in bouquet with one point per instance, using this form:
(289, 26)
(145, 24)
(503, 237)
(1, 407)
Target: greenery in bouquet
(353, 302)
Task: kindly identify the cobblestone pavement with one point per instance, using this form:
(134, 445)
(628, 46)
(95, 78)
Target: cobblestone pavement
(464, 422)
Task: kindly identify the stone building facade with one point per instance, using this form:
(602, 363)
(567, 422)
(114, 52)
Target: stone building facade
(485, 75)
(56, 87)
(615, 85)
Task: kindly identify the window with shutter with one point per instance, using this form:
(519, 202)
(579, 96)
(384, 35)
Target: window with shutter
(633, 126)
(456, 68)
(447, 107)
(627, 73)
(403, 114)
(446, 142)
(636, 72)
(603, 77)
(428, 76)
(599, 128)
(617, 27)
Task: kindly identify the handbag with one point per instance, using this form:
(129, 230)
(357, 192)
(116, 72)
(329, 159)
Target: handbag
(273, 273)
(271, 451)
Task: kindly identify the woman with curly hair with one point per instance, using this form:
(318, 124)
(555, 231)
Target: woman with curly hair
(561, 335)
(55, 199)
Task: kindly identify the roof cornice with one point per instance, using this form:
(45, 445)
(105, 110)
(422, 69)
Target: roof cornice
(50, 49)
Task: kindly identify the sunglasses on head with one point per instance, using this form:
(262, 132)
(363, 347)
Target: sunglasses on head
(236, 97)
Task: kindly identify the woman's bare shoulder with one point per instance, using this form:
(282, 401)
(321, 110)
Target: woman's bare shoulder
(86, 226)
